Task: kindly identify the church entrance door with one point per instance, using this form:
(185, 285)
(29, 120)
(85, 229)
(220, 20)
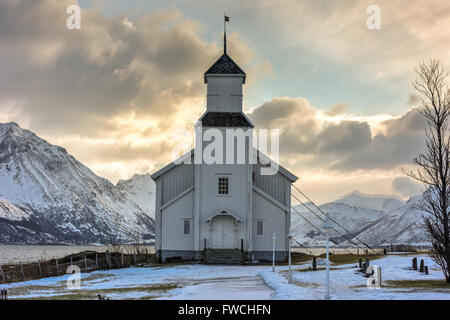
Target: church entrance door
(224, 233)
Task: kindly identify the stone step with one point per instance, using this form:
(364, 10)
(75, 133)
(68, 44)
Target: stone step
(223, 256)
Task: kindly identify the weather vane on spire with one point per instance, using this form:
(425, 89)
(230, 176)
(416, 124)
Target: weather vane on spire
(225, 20)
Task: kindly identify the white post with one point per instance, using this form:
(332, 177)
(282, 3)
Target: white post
(289, 247)
(327, 227)
(273, 252)
(327, 294)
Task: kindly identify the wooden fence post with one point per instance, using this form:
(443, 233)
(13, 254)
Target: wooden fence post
(414, 263)
(360, 263)
(121, 259)
(134, 258)
(108, 258)
(2, 274)
(421, 265)
(96, 261)
(146, 255)
(426, 269)
(57, 267)
(21, 271)
(39, 266)
(314, 264)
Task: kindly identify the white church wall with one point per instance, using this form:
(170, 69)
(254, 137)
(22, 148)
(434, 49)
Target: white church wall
(177, 180)
(224, 94)
(275, 185)
(236, 202)
(274, 221)
(173, 216)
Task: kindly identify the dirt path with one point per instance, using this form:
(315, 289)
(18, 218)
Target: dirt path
(230, 288)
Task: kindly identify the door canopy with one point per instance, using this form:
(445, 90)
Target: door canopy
(223, 214)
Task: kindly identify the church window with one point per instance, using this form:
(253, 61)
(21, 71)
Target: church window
(259, 227)
(187, 226)
(223, 185)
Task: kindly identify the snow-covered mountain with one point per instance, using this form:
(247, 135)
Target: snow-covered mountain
(376, 220)
(46, 195)
(376, 202)
(141, 190)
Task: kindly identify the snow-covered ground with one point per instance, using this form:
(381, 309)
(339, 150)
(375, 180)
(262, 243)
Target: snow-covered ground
(187, 282)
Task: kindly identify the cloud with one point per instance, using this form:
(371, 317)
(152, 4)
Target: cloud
(413, 99)
(406, 187)
(114, 90)
(338, 108)
(408, 33)
(311, 138)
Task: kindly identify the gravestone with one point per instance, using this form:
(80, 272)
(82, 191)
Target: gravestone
(414, 263)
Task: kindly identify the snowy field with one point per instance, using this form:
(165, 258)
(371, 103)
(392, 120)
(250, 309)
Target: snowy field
(237, 282)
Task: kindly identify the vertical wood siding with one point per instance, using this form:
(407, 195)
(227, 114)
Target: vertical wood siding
(173, 237)
(273, 185)
(177, 180)
(274, 221)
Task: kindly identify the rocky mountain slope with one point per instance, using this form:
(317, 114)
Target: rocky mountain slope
(46, 195)
(141, 190)
(375, 220)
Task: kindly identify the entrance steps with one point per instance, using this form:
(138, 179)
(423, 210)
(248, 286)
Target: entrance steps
(223, 256)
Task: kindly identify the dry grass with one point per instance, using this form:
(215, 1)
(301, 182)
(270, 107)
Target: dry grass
(424, 284)
(153, 290)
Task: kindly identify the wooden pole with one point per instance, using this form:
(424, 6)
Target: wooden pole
(21, 270)
(314, 264)
(422, 269)
(96, 261)
(414, 263)
(121, 259)
(2, 274)
(39, 267)
(426, 269)
(57, 267)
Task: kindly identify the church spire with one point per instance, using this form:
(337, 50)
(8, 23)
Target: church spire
(225, 20)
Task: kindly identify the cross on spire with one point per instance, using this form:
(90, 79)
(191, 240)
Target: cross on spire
(225, 20)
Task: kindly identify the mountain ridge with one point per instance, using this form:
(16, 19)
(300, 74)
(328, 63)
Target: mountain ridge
(64, 199)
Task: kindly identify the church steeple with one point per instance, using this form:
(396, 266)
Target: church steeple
(225, 20)
(225, 65)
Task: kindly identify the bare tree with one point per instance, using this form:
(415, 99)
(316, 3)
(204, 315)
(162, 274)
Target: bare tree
(433, 164)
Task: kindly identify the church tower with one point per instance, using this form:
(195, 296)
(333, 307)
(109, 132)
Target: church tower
(220, 207)
(224, 95)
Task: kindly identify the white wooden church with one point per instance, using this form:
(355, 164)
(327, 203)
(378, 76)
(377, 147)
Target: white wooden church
(222, 212)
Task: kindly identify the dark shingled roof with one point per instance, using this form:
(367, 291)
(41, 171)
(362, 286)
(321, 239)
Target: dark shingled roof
(225, 65)
(225, 119)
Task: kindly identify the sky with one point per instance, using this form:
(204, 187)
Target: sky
(114, 92)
